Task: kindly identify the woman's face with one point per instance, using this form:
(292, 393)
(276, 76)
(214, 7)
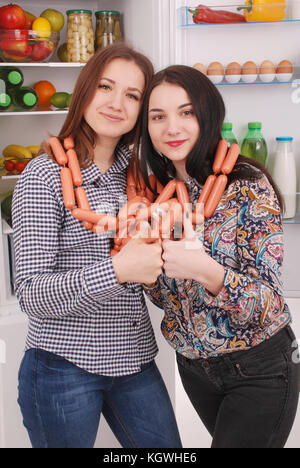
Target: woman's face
(116, 104)
(172, 124)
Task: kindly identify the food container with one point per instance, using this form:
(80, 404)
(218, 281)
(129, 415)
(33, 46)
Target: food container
(80, 36)
(26, 45)
(108, 28)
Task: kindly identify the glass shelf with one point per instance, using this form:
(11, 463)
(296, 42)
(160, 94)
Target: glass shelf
(43, 64)
(35, 112)
(185, 18)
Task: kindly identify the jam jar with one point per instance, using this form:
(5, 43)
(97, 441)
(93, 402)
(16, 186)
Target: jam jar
(108, 28)
(80, 36)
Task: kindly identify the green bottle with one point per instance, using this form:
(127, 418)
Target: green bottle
(227, 133)
(12, 77)
(25, 97)
(254, 145)
(5, 101)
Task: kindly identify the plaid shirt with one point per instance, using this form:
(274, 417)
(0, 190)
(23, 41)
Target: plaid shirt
(65, 280)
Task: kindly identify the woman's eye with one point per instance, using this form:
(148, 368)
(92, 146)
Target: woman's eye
(158, 117)
(104, 86)
(133, 96)
(188, 113)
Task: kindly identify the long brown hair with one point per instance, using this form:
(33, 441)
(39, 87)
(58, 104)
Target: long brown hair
(85, 87)
(209, 109)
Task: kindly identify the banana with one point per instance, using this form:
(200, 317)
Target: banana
(33, 149)
(18, 151)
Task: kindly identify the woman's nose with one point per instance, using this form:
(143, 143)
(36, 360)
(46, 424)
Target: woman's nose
(116, 101)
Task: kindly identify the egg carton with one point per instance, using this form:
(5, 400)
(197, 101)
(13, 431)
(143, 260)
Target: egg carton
(249, 72)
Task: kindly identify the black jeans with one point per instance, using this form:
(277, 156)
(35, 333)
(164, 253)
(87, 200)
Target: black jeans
(246, 399)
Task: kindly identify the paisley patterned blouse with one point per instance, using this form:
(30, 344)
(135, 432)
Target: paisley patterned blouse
(245, 236)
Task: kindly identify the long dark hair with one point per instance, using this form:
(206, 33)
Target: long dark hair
(209, 109)
(86, 84)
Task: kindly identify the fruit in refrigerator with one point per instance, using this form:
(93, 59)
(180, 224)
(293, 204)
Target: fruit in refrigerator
(12, 17)
(44, 90)
(16, 151)
(41, 50)
(15, 43)
(29, 20)
(69, 99)
(55, 18)
(42, 27)
(34, 149)
(59, 100)
(62, 52)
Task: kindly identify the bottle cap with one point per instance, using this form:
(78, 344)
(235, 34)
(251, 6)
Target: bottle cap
(14, 77)
(69, 12)
(29, 99)
(254, 125)
(284, 139)
(227, 126)
(5, 100)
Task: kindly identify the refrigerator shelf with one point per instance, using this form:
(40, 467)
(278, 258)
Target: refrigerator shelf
(36, 112)
(185, 18)
(43, 65)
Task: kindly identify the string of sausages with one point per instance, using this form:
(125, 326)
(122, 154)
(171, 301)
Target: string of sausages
(140, 212)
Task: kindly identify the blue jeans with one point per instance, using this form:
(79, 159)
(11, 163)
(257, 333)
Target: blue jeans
(61, 405)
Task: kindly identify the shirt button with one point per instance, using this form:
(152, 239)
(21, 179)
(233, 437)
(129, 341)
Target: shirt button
(205, 365)
(134, 324)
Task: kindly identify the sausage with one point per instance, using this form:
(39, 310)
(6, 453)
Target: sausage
(220, 156)
(167, 192)
(83, 202)
(152, 181)
(87, 215)
(124, 211)
(131, 192)
(207, 189)
(58, 151)
(231, 158)
(69, 143)
(113, 253)
(130, 179)
(67, 188)
(159, 187)
(73, 164)
(183, 196)
(215, 196)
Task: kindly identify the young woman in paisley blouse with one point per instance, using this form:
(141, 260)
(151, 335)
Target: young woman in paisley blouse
(225, 313)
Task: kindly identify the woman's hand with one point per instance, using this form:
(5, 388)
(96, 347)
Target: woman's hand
(187, 259)
(139, 262)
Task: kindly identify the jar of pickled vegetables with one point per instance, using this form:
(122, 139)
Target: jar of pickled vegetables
(80, 36)
(108, 28)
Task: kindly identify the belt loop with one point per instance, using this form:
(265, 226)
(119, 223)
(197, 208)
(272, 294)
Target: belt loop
(228, 362)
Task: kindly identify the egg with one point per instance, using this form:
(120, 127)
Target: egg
(284, 71)
(233, 72)
(266, 67)
(200, 67)
(285, 66)
(249, 72)
(267, 71)
(215, 72)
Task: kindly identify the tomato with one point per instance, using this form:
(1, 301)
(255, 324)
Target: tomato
(41, 50)
(9, 165)
(20, 166)
(15, 43)
(12, 17)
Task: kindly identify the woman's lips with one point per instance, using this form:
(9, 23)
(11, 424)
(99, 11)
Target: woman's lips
(112, 118)
(175, 144)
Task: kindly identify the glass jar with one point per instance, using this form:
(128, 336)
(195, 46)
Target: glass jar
(80, 36)
(108, 28)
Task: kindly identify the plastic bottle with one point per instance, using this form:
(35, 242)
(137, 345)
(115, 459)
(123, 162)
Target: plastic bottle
(5, 101)
(254, 145)
(284, 174)
(228, 134)
(12, 77)
(25, 97)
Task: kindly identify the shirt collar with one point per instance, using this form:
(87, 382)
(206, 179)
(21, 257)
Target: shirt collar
(122, 159)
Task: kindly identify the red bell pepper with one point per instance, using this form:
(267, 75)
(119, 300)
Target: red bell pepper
(15, 43)
(204, 14)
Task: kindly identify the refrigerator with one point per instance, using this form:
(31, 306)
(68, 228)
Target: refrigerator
(165, 32)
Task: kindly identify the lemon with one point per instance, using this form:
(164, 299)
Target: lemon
(55, 18)
(42, 27)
